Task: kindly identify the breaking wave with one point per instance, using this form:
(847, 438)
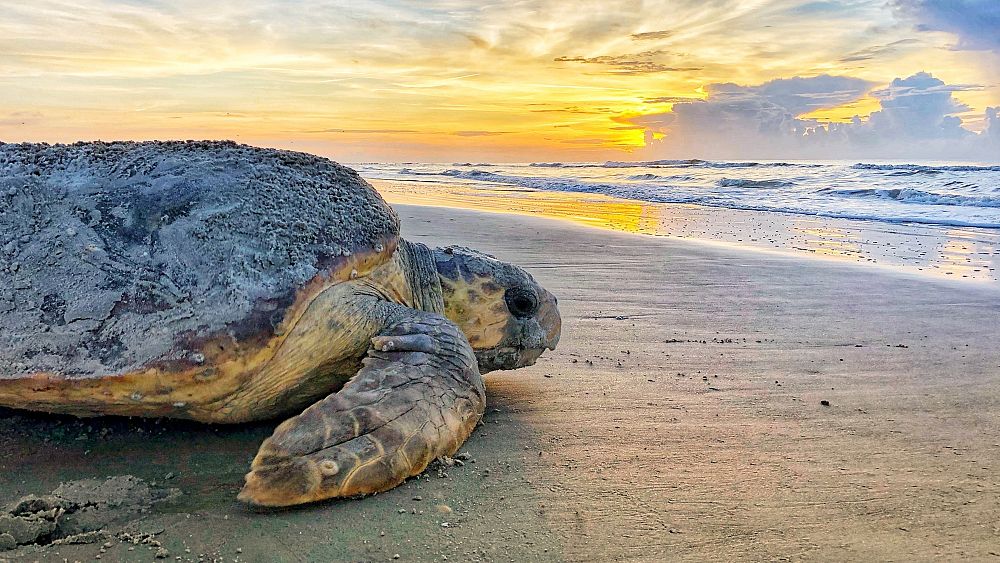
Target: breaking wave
(702, 164)
(923, 169)
(675, 177)
(748, 183)
(949, 194)
(906, 195)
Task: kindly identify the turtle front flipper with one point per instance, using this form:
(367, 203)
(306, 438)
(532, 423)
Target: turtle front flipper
(418, 397)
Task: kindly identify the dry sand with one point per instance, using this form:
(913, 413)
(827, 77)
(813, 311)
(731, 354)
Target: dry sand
(680, 419)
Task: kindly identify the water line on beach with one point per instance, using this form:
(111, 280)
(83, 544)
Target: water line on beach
(963, 253)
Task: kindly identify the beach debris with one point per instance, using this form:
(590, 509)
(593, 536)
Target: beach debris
(825, 403)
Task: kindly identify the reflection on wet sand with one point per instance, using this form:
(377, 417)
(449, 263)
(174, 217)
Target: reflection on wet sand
(591, 210)
(832, 241)
(965, 254)
(971, 254)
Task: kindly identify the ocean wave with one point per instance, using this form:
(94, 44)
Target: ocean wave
(674, 177)
(412, 172)
(659, 193)
(960, 195)
(694, 162)
(861, 216)
(664, 193)
(761, 165)
(473, 174)
(621, 164)
(750, 183)
(671, 163)
(909, 195)
(558, 184)
(925, 169)
(652, 163)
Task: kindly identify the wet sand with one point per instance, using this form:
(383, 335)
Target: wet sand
(681, 418)
(969, 253)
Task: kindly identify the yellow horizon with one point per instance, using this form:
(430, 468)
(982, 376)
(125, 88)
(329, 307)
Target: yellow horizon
(540, 80)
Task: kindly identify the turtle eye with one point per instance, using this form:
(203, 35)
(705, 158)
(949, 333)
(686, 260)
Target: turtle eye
(521, 302)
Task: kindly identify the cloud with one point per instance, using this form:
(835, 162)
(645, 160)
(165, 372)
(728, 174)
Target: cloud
(480, 133)
(476, 40)
(365, 131)
(916, 119)
(575, 109)
(396, 78)
(21, 118)
(991, 135)
(637, 63)
(818, 8)
(918, 107)
(797, 95)
(975, 22)
(646, 35)
(669, 99)
(877, 51)
(992, 132)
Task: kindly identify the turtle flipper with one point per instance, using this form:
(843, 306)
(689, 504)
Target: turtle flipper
(418, 397)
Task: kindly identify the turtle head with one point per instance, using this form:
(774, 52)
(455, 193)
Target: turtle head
(508, 318)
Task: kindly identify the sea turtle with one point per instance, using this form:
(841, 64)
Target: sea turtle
(226, 283)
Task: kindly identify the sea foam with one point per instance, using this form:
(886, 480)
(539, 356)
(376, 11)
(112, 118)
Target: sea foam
(949, 194)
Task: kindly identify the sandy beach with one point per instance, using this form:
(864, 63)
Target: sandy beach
(764, 247)
(707, 402)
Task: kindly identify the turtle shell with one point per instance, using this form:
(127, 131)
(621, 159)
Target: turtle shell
(119, 257)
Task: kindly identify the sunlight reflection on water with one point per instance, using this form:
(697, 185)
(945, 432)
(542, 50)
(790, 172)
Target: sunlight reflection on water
(964, 253)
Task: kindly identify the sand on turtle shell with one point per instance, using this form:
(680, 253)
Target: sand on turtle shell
(77, 508)
(113, 255)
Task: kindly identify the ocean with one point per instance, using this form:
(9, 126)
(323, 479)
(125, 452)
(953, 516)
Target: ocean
(941, 194)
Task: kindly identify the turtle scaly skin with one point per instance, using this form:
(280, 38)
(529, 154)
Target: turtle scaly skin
(420, 392)
(225, 283)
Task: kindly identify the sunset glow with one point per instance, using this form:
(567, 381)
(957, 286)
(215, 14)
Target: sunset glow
(444, 81)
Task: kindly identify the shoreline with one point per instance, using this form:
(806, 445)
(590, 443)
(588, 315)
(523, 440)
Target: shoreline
(680, 418)
(968, 254)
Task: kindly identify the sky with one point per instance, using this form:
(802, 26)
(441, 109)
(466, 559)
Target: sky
(517, 80)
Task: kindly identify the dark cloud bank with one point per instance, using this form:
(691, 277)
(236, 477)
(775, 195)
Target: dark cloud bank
(976, 23)
(918, 116)
(916, 121)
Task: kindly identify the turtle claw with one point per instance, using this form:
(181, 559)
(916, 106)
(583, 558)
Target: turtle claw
(417, 398)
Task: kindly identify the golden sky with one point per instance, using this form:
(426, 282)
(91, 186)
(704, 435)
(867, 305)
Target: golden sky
(448, 80)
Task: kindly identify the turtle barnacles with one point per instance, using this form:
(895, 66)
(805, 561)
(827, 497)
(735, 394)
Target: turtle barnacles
(226, 283)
